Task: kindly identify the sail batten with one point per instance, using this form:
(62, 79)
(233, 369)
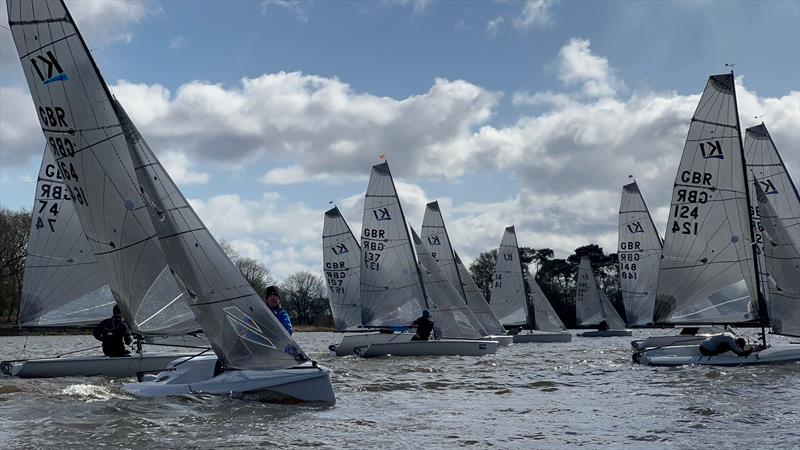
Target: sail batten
(341, 262)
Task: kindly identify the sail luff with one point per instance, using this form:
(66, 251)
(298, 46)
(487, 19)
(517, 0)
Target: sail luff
(452, 254)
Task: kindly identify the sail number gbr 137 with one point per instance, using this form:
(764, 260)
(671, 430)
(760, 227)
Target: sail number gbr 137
(372, 247)
(685, 209)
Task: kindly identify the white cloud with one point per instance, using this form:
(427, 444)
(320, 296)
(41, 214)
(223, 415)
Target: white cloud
(493, 26)
(418, 6)
(577, 65)
(20, 134)
(179, 168)
(535, 13)
(178, 42)
(299, 8)
(106, 20)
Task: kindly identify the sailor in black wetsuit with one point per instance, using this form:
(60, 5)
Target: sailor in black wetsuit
(424, 326)
(114, 334)
(603, 325)
(725, 342)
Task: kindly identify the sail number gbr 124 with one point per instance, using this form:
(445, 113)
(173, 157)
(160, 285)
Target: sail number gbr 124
(688, 199)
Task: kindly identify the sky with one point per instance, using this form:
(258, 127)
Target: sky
(532, 113)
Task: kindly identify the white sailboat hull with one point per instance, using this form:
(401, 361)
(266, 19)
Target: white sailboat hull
(504, 340)
(441, 347)
(196, 376)
(606, 333)
(89, 366)
(351, 341)
(542, 337)
(778, 354)
(668, 341)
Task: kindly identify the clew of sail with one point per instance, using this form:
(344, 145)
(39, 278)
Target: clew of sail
(85, 138)
(341, 262)
(782, 257)
(477, 303)
(62, 284)
(391, 286)
(591, 304)
(707, 272)
(452, 315)
(508, 299)
(546, 317)
(436, 238)
(639, 252)
(243, 332)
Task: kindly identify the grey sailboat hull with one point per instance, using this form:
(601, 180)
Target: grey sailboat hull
(690, 355)
(606, 333)
(441, 347)
(89, 366)
(542, 337)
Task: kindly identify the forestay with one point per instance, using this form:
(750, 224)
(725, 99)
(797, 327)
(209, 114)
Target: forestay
(546, 318)
(707, 271)
(243, 332)
(451, 314)
(74, 108)
(62, 284)
(391, 289)
(591, 304)
(782, 257)
(639, 252)
(341, 261)
(477, 302)
(509, 299)
(436, 238)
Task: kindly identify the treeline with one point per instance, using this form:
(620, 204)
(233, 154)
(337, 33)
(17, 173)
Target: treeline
(14, 231)
(556, 276)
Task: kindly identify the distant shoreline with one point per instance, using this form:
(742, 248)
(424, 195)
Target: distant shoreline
(10, 329)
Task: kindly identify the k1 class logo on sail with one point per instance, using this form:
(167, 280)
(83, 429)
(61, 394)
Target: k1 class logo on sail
(50, 64)
(711, 150)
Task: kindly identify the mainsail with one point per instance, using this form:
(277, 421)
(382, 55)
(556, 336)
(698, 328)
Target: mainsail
(639, 252)
(591, 304)
(435, 236)
(782, 257)
(243, 332)
(508, 300)
(707, 272)
(477, 302)
(87, 143)
(341, 262)
(452, 316)
(546, 317)
(391, 285)
(62, 284)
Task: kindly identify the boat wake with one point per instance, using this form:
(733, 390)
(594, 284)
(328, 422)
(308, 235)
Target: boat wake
(92, 393)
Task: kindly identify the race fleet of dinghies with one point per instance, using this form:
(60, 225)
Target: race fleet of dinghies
(392, 289)
(510, 295)
(708, 253)
(95, 147)
(85, 143)
(341, 262)
(435, 236)
(593, 307)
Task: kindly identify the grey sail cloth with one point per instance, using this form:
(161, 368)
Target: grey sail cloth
(591, 304)
(243, 332)
(477, 302)
(78, 120)
(62, 284)
(707, 256)
(391, 284)
(509, 299)
(341, 262)
(639, 252)
(436, 238)
(546, 317)
(451, 314)
(764, 164)
(782, 256)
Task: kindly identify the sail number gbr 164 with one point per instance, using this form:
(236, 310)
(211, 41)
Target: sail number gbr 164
(57, 131)
(372, 247)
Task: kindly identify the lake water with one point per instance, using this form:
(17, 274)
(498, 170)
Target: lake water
(583, 394)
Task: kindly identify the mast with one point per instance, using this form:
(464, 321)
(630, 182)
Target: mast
(528, 312)
(408, 237)
(452, 251)
(763, 313)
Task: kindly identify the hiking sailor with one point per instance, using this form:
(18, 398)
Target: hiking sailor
(273, 298)
(424, 326)
(721, 343)
(114, 334)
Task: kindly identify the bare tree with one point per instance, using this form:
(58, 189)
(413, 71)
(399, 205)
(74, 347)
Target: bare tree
(304, 297)
(14, 233)
(256, 273)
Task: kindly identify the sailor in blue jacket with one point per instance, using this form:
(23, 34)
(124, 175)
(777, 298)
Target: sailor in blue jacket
(273, 297)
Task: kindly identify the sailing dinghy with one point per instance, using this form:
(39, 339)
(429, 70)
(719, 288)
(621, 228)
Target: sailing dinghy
(392, 289)
(435, 236)
(511, 291)
(709, 254)
(137, 221)
(592, 306)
